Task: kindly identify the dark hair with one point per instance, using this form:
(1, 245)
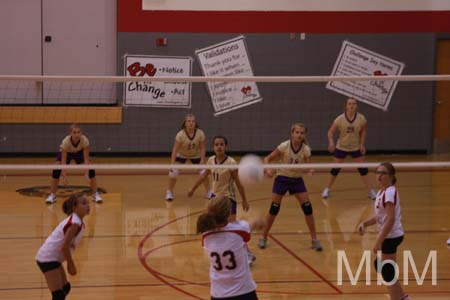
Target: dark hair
(74, 125)
(219, 137)
(391, 170)
(189, 115)
(71, 202)
(217, 214)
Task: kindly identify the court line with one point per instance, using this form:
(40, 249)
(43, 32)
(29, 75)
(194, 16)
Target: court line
(317, 273)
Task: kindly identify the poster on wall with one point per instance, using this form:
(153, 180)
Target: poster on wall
(354, 60)
(157, 94)
(229, 58)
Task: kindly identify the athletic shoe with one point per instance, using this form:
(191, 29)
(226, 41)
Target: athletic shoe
(97, 198)
(51, 199)
(251, 258)
(326, 193)
(372, 194)
(405, 297)
(169, 196)
(315, 244)
(262, 243)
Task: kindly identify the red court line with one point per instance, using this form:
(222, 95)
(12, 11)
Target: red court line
(306, 264)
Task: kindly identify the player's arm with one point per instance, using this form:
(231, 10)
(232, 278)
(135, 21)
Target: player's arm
(273, 155)
(173, 156)
(308, 161)
(240, 187)
(362, 226)
(68, 238)
(331, 131)
(202, 152)
(63, 162)
(86, 154)
(199, 181)
(362, 139)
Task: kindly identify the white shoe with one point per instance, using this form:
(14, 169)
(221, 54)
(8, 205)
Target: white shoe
(97, 198)
(372, 194)
(326, 193)
(51, 199)
(262, 244)
(448, 242)
(209, 194)
(251, 258)
(169, 196)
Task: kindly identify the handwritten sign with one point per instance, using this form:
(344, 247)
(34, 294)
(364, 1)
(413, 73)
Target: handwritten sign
(354, 60)
(157, 94)
(229, 58)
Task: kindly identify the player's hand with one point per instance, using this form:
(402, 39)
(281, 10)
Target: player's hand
(331, 148)
(268, 172)
(361, 229)
(362, 148)
(376, 247)
(71, 269)
(245, 205)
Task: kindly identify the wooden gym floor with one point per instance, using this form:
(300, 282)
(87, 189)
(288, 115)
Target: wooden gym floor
(137, 246)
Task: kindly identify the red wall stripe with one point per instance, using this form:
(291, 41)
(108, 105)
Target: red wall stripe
(131, 18)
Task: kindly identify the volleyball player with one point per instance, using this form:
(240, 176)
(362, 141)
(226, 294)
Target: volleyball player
(387, 217)
(189, 145)
(293, 151)
(352, 137)
(224, 180)
(75, 146)
(58, 247)
(225, 242)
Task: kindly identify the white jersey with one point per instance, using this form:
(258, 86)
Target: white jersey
(229, 270)
(383, 196)
(51, 249)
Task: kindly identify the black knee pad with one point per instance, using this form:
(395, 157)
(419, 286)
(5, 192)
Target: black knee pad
(335, 171)
(387, 270)
(274, 208)
(56, 174)
(363, 171)
(66, 288)
(91, 174)
(307, 208)
(58, 295)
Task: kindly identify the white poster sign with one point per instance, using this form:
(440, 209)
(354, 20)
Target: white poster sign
(157, 94)
(354, 60)
(229, 58)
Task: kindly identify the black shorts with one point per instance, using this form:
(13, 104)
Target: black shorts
(48, 266)
(389, 246)
(194, 161)
(248, 296)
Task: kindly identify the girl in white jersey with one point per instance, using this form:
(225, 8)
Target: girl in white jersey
(293, 151)
(189, 144)
(58, 247)
(390, 231)
(352, 138)
(225, 243)
(73, 147)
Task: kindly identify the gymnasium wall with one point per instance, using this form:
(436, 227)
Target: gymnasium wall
(403, 36)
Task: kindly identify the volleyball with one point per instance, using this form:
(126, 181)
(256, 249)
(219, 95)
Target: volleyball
(251, 169)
